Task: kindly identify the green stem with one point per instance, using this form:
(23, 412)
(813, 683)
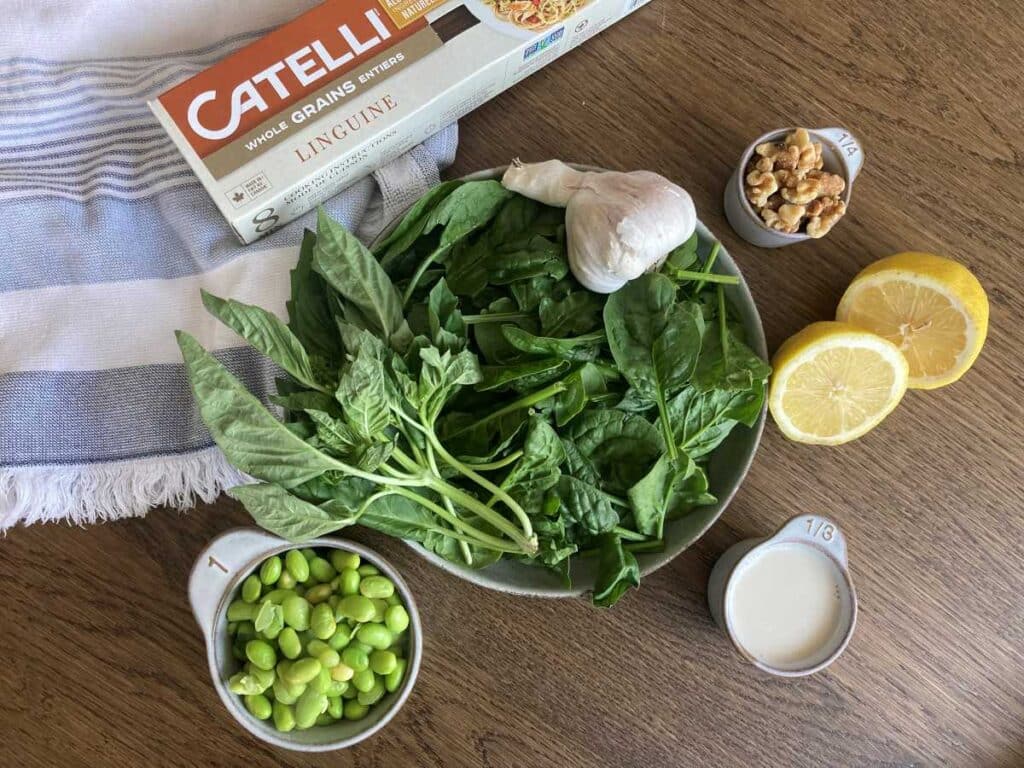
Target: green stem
(512, 458)
(524, 402)
(463, 547)
(409, 289)
(468, 531)
(483, 482)
(712, 257)
(637, 547)
(722, 326)
(396, 479)
(616, 501)
(628, 535)
(705, 277)
(528, 544)
(403, 458)
(666, 426)
(495, 317)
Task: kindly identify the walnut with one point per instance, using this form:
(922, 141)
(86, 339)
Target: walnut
(760, 186)
(787, 178)
(775, 202)
(831, 212)
(809, 158)
(803, 192)
(778, 222)
(791, 216)
(832, 185)
(799, 138)
(764, 164)
(788, 158)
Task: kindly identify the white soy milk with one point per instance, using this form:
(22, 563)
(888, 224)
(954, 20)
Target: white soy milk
(786, 606)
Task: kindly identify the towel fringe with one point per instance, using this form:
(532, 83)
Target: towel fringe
(93, 493)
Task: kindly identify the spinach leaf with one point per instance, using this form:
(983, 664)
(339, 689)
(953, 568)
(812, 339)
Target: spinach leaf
(490, 338)
(700, 421)
(538, 469)
(309, 309)
(621, 446)
(655, 495)
(681, 259)
(577, 349)
(483, 442)
(586, 506)
(522, 376)
(264, 331)
(579, 312)
(251, 438)
(617, 571)
(582, 386)
(526, 259)
(466, 270)
(411, 227)
(277, 511)
(354, 272)
(727, 363)
(468, 208)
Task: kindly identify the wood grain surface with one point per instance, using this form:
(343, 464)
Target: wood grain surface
(102, 661)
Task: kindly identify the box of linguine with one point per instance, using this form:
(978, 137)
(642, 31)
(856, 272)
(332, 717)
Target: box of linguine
(295, 117)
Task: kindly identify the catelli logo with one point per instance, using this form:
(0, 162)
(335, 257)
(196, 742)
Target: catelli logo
(274, 86)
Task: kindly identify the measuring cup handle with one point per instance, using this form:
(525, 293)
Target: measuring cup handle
(218, 565)
(816, 530)
(852, 151)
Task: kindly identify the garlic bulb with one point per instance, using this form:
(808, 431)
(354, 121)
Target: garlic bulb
(619, 225)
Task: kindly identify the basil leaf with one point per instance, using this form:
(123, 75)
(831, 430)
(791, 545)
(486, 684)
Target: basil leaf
(617, 571)
(336, 436)
(277, 511)
(362, 392)
(354, 272)
(309, 308)
(264, 331)
(447, 328)
(297, 402)
(251, 438)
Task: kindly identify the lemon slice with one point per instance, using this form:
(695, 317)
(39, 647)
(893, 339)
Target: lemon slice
(834, 382)
(931, 307)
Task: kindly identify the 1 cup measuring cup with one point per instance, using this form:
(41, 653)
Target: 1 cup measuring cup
(842, 154)
(787, 601)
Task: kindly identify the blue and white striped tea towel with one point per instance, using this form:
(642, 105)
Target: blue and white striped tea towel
(107, 239)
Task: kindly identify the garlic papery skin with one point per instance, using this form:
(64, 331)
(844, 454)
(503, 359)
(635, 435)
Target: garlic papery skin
(619, 225)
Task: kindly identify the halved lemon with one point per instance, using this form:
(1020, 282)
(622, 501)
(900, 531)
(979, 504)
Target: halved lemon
(834, 382)
(929, 306)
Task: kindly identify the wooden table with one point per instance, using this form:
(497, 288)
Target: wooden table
(103, 665)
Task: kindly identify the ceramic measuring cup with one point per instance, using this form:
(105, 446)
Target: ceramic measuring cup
(219, 571)
(841, 153)
(812, 531)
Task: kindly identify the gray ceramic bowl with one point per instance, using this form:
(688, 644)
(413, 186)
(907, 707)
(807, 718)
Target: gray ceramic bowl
(728, 466)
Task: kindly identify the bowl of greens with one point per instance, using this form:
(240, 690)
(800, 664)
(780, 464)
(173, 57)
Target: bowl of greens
(454, 386)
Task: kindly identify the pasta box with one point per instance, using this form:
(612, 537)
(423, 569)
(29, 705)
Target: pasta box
(292, 119)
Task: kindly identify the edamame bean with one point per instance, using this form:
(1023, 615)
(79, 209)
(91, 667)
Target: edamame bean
(349, 582)
(309, 707)
(308, 553)
(379, 607)
(336, 688)
(261, 654)
(376, 586)
(357, 608)
(240, 610)
(372, 696)
(264, 677)
(342, 560)
(270, 571)
(355, 711)
(367, 570)
(277, 596)
(341, 637)
(296, 612)
(397, 619)
(284, 716)
(286, 581)
(329, 658)
(245, 631)
(296, 565)
(258, 706)
(394, 678)
(302, 671)
(355, 657)
(374, 635)
(251, 589)
(321, 569)
(324, 719)
(342, 672)
(335, 706)
(321, 621)
(288, 642)
(244, 684)
(322, 681)
(286, 694)
(364, 680)
(319, 594)
(350, 693)
(393, 600)
(383, 662)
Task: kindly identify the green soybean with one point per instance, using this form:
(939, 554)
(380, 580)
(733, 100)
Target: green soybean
(372, 696)
(287, 581)
(349, 582)
(322, 682)
(336, 688)
(350, 693)
(335, 707)
(309, 707)
(245, 631)
(270, 571)
(396, 618)
(342, 672)
(308, 553)
(251, 589)
(277, 596)
(393, 600)
(302, 671)
(355, 657)
(321, 569)
(244, 684)
(357, 608)
(319, 594)
(383, 662)
(240, 610)
(259, 706)
(321, 621)
(377, 586)
(284, 717)
(367, 570)
(264, 677)
(296, 612)
(341, 637)
(329, 658)
(285, 693)
(342, 560)
(363, 680)
(261, 654)
(324, 719)
(394, 678)
(289, 643)
(374, 635)
(355, 711)
(296, 565)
